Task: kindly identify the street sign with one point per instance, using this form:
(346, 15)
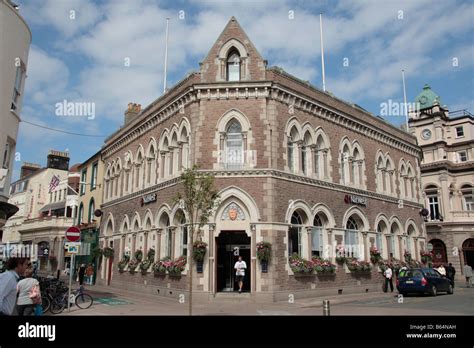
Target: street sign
(72, 249)
(73, 234)
(429, 247)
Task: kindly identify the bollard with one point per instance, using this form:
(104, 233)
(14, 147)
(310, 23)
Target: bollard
(326, 311)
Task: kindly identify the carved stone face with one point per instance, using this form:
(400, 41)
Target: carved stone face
(233, 214)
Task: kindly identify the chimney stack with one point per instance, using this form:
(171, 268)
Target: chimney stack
(28, 168)
(132, 111)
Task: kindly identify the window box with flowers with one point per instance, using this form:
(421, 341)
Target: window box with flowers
(375, 256)
(264, 251)
(132, 265)
(160, 267)
(123, 263)
(145, 264)
(177, 267)
(199, 251)
(357, 266)
(426, 256)
(301, 267)
(323, 266)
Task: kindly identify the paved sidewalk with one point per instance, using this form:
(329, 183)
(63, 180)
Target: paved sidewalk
(113, 301)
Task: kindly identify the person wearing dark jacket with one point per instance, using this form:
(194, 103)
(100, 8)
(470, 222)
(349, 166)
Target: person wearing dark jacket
(450, 273)
(82, 271)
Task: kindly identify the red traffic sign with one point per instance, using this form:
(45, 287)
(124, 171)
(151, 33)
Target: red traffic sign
(73, 234)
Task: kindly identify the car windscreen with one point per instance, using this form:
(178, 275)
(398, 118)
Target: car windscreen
(413, 273)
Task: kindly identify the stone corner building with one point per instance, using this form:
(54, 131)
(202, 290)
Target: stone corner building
(294, 165)
(447, 174)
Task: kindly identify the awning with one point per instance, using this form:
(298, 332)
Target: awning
(7, 209)
(53, 206)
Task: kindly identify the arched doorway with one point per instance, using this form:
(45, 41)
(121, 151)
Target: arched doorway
(468, 251)
(439, 252)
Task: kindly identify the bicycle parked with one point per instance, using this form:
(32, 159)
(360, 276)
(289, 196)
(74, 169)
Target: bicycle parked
(78, 298)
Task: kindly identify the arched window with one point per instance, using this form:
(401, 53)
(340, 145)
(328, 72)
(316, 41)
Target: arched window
(184, 237)
(467, 197)
(294, 234)
(321, 160)
(381, 229)
(389, 177)
(392, 241)
(292, 147)
(305, 153)
(380, 175)
(317, 236)
(410, 183)
(80, 214)
(90, 216)
(351, 238)
(184, 149)
(233, 66)
(433, 202)
(165, 225)
(345, 165)
(234, 145)
(403, 180)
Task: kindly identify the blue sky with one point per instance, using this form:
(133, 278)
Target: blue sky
(84, 59)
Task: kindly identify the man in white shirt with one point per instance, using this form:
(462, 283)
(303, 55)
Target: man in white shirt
(442, 270)
(388, 279)
(468, 274)
(8, 281)
(240, 267)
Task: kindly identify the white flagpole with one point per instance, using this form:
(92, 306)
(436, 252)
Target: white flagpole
(322, 49)
(405, 100)
(166, 56)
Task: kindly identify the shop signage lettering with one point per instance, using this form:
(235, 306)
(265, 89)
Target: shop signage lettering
(351, 199)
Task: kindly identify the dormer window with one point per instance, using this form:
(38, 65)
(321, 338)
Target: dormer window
(233, 66)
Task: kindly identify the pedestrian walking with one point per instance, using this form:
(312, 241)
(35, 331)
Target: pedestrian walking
(468, 274)
(388, 279)
(450, 273)
(89, 273)
(240, 267)
(8, 281)
(28, 294)
(82, 272)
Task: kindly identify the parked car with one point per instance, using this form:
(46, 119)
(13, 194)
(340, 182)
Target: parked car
(423, 280)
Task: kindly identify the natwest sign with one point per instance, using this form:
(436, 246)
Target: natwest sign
(351, 199)
(151, 197)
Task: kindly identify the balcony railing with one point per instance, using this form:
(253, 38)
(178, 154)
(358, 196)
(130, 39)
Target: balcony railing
(60, 221)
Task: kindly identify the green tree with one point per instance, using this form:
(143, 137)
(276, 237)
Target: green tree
(198, 198)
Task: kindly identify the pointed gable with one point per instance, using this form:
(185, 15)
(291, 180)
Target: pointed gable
(233, 45)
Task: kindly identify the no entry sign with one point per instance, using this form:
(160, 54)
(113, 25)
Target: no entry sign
(73, 234)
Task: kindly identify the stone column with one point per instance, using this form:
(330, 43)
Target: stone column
(211, 255)
(314, 161)
(158, 244)
(222, 160)
(325, 166)
(388, 241)
(134, 244)
(417, 254)
(330, 250)
(400, 247)
(180, 156)
(172, 231)
(145, 244)
(366, 251)
(309, 242)
(253, 257)
(244, 155)
(163, 162)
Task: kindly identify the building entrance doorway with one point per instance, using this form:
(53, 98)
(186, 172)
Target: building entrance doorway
(468, 250)
(230, 245)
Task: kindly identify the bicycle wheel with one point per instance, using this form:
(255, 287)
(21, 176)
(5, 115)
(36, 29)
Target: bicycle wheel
(57, 306)
(45, 303)
(84, 301)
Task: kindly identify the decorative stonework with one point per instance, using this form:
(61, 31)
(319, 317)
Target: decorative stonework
(233, 213)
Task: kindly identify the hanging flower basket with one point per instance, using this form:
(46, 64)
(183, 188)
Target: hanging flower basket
(199, 250)
(426, 256)
(375, 255)
(138, 255)
(357, 266)
(132, 265)
(108, 252)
